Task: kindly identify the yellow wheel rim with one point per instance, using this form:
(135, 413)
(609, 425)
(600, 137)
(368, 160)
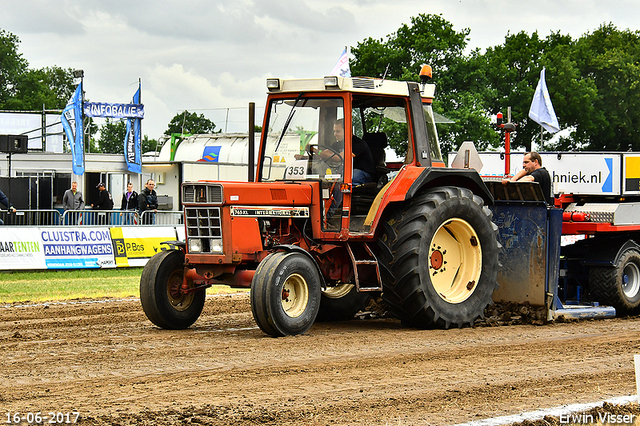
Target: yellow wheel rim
(295, 295)
(337, 292)
(455, 260)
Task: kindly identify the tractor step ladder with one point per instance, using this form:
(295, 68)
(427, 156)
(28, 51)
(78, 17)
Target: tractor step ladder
(366, 270)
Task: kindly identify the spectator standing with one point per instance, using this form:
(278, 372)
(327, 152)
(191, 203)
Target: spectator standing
(129, 205)
(105, 202)
(72, 200)
(148, 200)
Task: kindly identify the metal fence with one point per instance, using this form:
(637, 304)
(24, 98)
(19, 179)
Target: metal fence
(31, 217)
(90, 218)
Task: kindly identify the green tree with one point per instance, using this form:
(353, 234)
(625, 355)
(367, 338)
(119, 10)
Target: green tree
(112, 135)
(149, 145)
(574, 98)
(512, 71)
(92, 146)
(466, 99)
(610, 59)
(49, 87)
(432, 40)
(191, 122)
(592, 83)
(12, 65)
(25, 89)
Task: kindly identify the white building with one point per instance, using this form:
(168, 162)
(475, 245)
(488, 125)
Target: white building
(38, 179)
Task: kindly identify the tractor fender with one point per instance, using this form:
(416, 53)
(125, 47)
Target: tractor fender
(291, 248)
(438, 176)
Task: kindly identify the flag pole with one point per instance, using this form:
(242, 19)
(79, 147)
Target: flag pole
(541, 138)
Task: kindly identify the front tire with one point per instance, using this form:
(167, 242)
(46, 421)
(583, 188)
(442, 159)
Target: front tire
(285, 294)
(439, 259)
(161, 294)
(618, 286)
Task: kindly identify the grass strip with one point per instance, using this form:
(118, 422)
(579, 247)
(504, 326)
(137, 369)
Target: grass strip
(50, 285)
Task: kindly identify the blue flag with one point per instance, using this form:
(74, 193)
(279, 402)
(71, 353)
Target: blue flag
(71, 119)
(541, 110)
(132, 145)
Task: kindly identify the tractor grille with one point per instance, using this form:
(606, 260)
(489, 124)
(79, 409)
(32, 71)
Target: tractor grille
(362, 83)
(203, 223)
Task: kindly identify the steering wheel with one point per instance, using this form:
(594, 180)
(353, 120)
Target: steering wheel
(330, 159)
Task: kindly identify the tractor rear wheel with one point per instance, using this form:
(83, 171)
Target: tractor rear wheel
(163, 300)
(285, 294)
(439, 259)
(341, 303)
(618, 286)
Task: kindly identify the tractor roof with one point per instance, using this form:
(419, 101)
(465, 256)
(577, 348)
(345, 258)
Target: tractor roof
(349, 84)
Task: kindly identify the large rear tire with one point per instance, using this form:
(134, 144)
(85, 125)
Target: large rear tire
(439, 259)
(161, 294)
(285, 294)
(618, 286)
(341, 303)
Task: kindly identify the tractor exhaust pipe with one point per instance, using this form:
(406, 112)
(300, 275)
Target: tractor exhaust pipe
(252, 143)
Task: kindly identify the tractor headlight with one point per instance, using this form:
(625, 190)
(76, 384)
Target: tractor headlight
(216, 245)
(273, 84)
(331, 82)
(195, 245)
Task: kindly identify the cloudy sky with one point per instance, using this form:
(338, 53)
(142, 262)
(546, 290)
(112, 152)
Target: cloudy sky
(213, 57)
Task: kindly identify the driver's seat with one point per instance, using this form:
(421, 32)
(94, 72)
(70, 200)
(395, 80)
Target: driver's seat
(363, 195)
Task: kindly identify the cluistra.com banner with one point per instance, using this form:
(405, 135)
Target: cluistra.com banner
(82, 247)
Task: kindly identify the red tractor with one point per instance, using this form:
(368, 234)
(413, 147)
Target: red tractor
(314, 239)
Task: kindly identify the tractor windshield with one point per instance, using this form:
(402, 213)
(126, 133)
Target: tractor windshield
(300, 142)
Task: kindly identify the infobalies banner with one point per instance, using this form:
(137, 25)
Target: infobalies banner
(102, 109)
(132, 149)
(72, 122)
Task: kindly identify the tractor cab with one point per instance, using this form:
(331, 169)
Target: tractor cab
(337, 131)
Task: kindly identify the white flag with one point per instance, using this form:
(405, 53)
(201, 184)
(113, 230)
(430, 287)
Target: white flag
(342, 67)
(541, 110)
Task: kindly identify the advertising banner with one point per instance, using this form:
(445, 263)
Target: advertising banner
(77, 248)
(584, 173)
(103, 109)
(80, 248)
(211, 154)
(72, 123)
(631, 173)
(132, 141)
(134, 246)
(21, 249)
(571, 173)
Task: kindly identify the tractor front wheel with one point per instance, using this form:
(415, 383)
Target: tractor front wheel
(285, 294)
(162, 296)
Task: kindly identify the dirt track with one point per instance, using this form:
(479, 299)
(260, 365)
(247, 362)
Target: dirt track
(109, 363)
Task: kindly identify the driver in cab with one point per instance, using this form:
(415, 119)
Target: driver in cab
(364, 168)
